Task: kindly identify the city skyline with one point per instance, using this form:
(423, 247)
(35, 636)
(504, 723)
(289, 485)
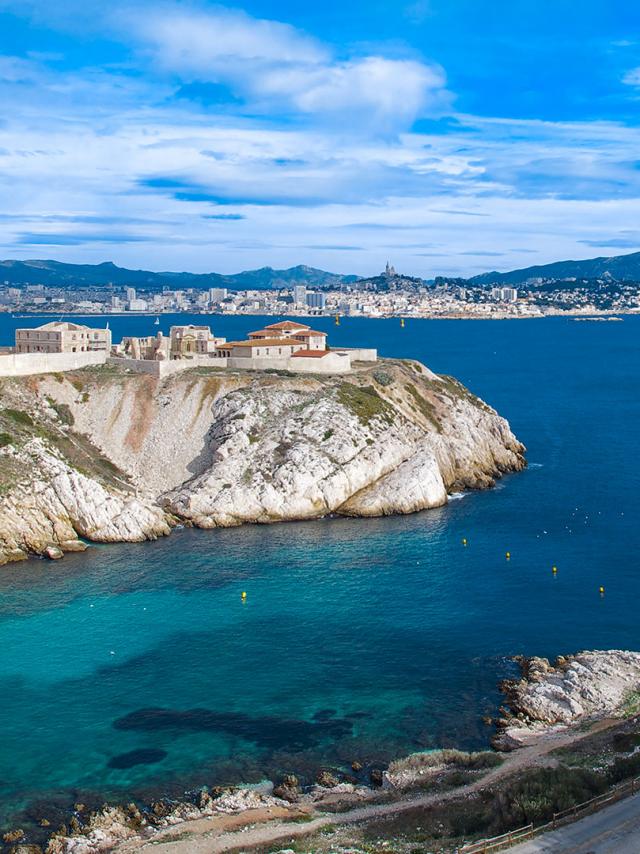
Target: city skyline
(451, 138)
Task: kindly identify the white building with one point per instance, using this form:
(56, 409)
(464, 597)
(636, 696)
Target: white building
(137, 304)
(505, 294)
(63, 337)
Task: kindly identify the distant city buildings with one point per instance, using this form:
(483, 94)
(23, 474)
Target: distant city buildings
(388, 294)
(217, 294)
(505, 294)
(316, 300)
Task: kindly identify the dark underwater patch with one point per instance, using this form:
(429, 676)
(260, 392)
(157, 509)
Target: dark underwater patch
(143, 756)
(324, 715)
(269, 732)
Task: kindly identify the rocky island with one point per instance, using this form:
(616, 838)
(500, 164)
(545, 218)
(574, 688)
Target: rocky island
(107, 455)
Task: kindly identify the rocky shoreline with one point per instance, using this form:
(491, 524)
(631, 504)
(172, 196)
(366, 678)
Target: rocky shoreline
(549, 699)
(575, 688)
(105, 455)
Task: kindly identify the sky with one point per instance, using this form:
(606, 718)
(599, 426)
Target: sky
(447, 136)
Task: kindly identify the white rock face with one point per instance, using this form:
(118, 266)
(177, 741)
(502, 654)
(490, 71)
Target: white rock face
(586, 684)
(219, 450)
(282, 453)
(415, 484)
(591, 684)
(58, 504)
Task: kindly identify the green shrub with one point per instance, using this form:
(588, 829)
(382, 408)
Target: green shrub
(63, 412)
(623, 768)
(327, 435)
(382, 378)
(18, 416)
(543, 792)
(5, 439)
(364, 402)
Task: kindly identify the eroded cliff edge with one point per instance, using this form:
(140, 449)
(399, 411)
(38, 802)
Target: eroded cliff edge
(112, 456)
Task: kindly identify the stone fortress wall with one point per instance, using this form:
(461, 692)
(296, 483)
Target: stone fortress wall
(24, 364)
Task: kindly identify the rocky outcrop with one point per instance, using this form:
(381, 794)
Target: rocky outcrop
(355, 448)
(106, 828)
(47, 511)
(595, 685)
(110, 456)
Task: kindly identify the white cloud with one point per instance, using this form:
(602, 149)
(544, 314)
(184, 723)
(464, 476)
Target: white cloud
(200, 42)
(77, 146)
(632, 77)
(268, 62)
(388, 89)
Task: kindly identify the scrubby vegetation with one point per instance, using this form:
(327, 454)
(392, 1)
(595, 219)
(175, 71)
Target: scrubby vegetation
(364, 402)
(455, 388)
(18, 416)
(63, 412)
(382, 378)
(424, 406)
(437, 758)
(17, 427)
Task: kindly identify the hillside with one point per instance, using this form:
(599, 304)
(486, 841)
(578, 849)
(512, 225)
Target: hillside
(59, 274)
(112, 456)
(618, 267)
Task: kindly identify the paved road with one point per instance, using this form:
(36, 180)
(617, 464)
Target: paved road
(613, 830)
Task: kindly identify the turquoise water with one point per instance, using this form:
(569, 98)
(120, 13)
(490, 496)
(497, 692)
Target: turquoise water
(137, 669)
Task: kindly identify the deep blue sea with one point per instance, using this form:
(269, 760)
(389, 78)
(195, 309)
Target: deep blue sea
(137, 669)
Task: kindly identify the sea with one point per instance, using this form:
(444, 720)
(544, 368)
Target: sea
(137, 671)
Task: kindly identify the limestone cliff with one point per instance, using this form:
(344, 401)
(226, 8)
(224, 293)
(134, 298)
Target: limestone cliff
(596, 684)
(113, 456)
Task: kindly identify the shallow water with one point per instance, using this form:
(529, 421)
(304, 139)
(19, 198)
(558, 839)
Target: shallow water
(359, 639)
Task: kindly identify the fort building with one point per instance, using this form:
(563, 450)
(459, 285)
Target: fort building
(63, 337)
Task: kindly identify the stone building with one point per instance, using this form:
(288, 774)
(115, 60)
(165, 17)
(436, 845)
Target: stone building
(183, 342)
(187, 341)
(63, 337)
(309, 338)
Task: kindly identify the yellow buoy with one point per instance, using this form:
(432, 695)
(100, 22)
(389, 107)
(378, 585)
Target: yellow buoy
(508, 555)
(244, 596)
(554, 569)
(402, 322)
(337, 320)
(602, 591)
(464, 541)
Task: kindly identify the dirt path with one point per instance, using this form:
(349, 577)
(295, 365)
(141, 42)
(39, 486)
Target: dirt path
(253, 828)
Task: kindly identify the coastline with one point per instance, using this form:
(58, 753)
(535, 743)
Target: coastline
(213, 450)
(459, 315)
(218, 820)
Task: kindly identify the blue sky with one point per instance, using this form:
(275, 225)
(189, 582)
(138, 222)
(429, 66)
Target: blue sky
(450, 136)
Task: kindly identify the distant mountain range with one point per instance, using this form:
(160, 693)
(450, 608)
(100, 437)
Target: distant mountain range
(619, 267)
(59, 274)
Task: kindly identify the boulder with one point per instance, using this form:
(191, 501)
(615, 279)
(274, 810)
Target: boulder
(326, 779)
